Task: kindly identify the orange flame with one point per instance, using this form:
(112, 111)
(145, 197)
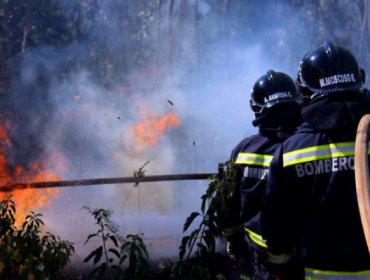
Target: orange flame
(148, 131)
(28, 199)
(151, 130)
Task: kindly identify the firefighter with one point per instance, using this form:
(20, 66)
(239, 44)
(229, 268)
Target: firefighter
(310, 208)
(276, 104)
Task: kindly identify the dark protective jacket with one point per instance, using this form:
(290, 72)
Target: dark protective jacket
(310, 205)
(252, 157)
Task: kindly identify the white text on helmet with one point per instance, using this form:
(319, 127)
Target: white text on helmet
(276, 95)
(337, 79)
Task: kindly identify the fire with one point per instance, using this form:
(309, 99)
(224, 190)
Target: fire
(28, 199)
(152, 126)
(149, 131)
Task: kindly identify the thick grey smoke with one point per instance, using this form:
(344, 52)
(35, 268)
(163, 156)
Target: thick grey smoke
(62, 107)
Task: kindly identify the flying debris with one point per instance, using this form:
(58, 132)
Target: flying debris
(169, 101)
(193, 143)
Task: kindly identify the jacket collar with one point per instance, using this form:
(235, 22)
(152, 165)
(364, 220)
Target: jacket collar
(334, 112)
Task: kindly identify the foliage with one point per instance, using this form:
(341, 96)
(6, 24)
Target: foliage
(197, 252)
(140, 174)
(145, 31)
(116, 257)
(25, 253)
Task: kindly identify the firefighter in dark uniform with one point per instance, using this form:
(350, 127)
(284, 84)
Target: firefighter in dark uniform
(276, 105)
(310, 208)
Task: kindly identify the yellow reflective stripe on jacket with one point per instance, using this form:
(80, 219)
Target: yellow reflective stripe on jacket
(256, 238)
(280, 259)
(255, 159)
(319, 152)
(315, 274)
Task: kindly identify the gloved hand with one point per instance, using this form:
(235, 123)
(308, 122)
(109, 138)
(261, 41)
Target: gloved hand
(237, 247)
(229, 248)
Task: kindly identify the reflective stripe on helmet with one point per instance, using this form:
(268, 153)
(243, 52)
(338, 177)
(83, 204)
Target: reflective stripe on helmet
(315, 274)
(318, 152)
(255, 159)
(256, 238)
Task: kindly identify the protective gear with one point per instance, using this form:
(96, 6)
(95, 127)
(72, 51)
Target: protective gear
(319, 221)
(288, 271)
(276, 104)
(271, 89)
(328, 69)
(253, 156)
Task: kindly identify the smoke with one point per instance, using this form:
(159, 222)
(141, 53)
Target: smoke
(195, 67)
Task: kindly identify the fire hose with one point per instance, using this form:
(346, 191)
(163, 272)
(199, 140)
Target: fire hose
(362, 175)
(105, 181)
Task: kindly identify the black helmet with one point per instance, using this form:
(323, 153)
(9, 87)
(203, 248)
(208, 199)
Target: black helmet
(271, 89)
(328, 69)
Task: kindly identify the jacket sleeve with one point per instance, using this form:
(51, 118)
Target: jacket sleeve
(231, 201)
(280, 213)
(230, 212)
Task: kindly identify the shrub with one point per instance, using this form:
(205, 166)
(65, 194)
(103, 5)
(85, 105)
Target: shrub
(25, 253)
(116, 257)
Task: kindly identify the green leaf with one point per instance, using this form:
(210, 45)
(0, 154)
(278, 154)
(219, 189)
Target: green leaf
(90, 236)
(122, 259)
(190, 220)
(97, 253)
(114, 252)
(113, 239)
(204, 204)
(194, 233)
(183, 246)
(209, 239)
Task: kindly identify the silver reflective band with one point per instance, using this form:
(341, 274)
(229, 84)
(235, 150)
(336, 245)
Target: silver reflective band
(280, 259)
(318, 152)
(254, 159)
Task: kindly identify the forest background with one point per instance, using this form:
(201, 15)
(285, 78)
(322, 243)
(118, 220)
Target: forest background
(95, 88)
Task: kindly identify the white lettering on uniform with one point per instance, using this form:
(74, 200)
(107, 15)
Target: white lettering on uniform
(325, 166)
(308, 168)
(319, 166)
(334, 165)
(351, 163)
(255, 172)
(342, 163)
(299, 170)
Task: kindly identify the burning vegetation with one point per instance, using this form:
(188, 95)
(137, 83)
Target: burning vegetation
(28, 199)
